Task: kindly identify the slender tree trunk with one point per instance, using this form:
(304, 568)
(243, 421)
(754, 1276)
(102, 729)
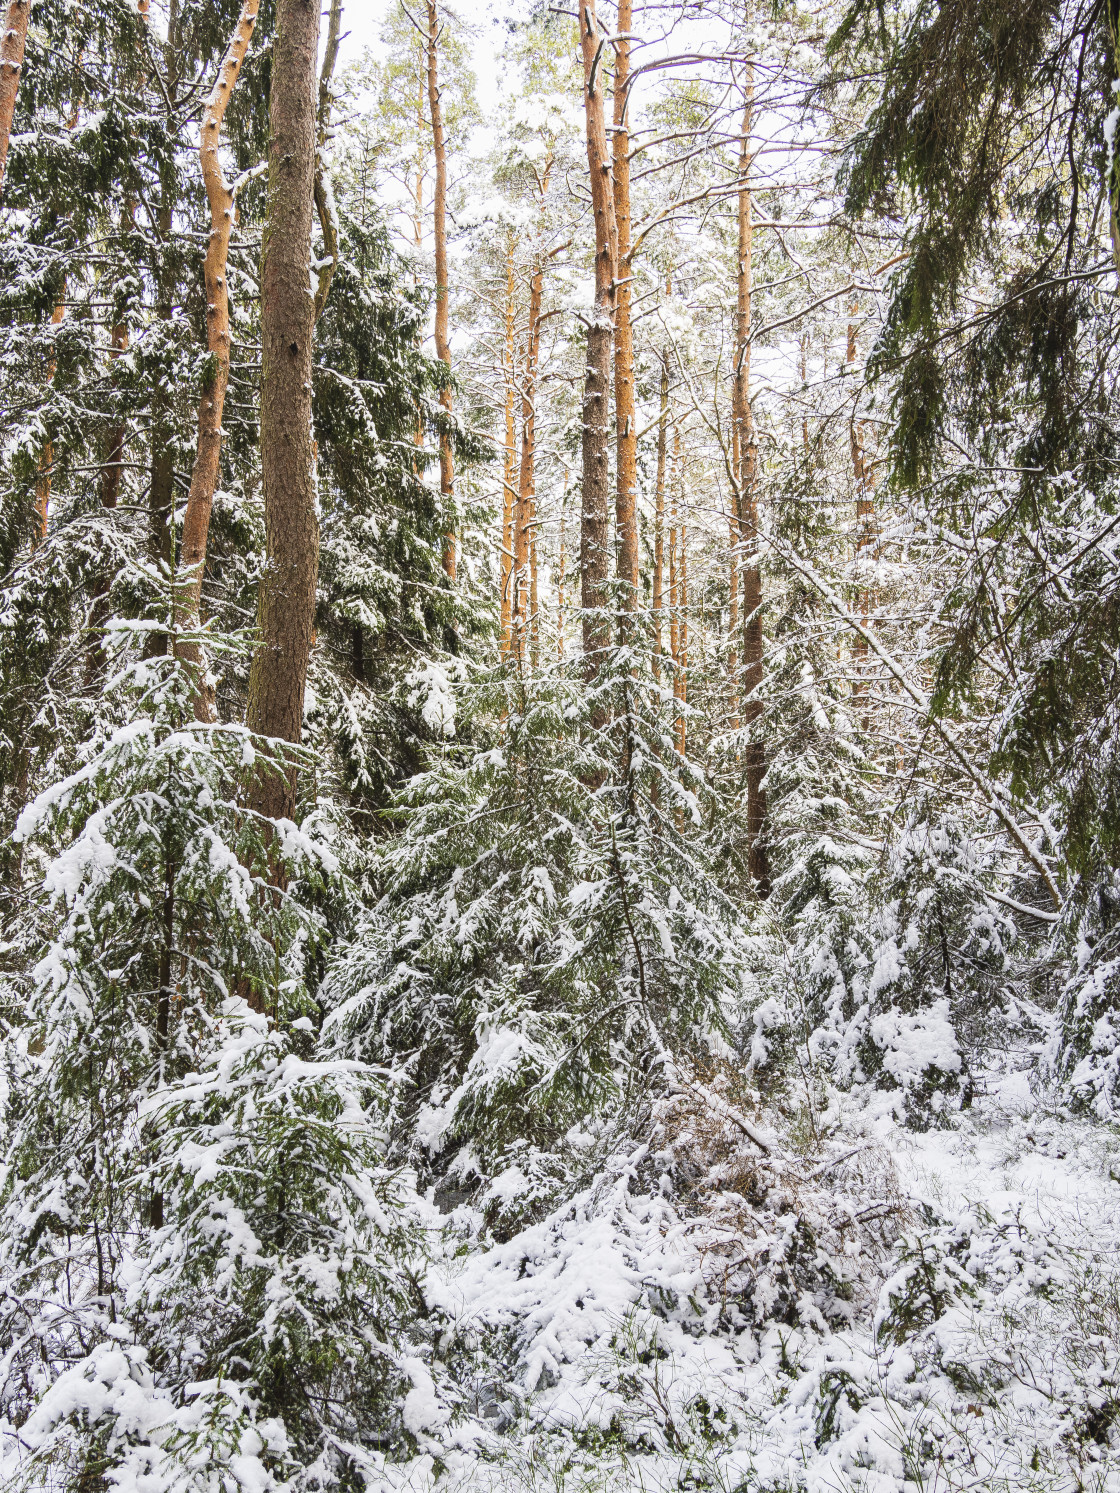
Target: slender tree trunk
(161, 477)
(682, 637)
(18, 13)
(625, 411)
(204, 477)
(324, 193)
(278, 676)
(865, 519)
(594, 525)
(509, 493)
(659, 519)
(804, 380)
(561, 563)
(733, 619)
(747, 494)
(674, 590)
(1112, 15)
(108, 491)
(534, 594)
(45, 476)
(443, 344)
(526, 486)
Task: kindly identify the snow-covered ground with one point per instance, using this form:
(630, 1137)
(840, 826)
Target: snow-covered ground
(681, 1323)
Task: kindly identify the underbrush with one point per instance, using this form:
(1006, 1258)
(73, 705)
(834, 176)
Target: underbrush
(881, 1312)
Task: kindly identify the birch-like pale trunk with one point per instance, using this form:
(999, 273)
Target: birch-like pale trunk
(204, 476)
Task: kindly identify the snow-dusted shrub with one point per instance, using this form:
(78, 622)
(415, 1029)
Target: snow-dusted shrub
(200, 1243)
(1085, 1052)
(549, 941)
(898, 976)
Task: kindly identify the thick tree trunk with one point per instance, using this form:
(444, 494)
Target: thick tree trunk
(443, 344)
(625, 412)
(17, 15)
(509, 459)
(204, 477)
(594, 556)
(746, 486)
(278, 676)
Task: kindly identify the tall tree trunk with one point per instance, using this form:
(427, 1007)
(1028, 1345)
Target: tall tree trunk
(324, 194)
(108, 491)
(509, 459)
(443, 344)
(278, 676)
(682, 636)
(11, 65)
(733, 620)
(674, 592)
(526, 486)
(1112, 14)
(747, 494)
(45, 475)
(594, 557)
(625, 412)
(204, 477)
(561, 563)
(865, 515)
(659, 519)
(161, 476)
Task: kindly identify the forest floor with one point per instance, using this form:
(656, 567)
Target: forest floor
(601, 1349)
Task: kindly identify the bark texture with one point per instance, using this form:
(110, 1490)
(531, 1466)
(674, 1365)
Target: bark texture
(443, 342)
(509, 457)
(18, 13)
(746, 495)
(594, 554)
(625, 412)
(278, 677)
(324, 196)
(204, 476)
(659, 519)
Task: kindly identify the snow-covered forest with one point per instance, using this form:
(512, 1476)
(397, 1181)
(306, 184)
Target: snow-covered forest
(559, 760)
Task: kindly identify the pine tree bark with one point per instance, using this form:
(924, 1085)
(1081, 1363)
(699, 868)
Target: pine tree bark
(324, 195)
(204, 477)
(659, 519)
(509, 459)
(594, 524)
(746, 492)
(278, 677)
(11, 65)
(525, 603)
(625, 411)
(443, 343)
